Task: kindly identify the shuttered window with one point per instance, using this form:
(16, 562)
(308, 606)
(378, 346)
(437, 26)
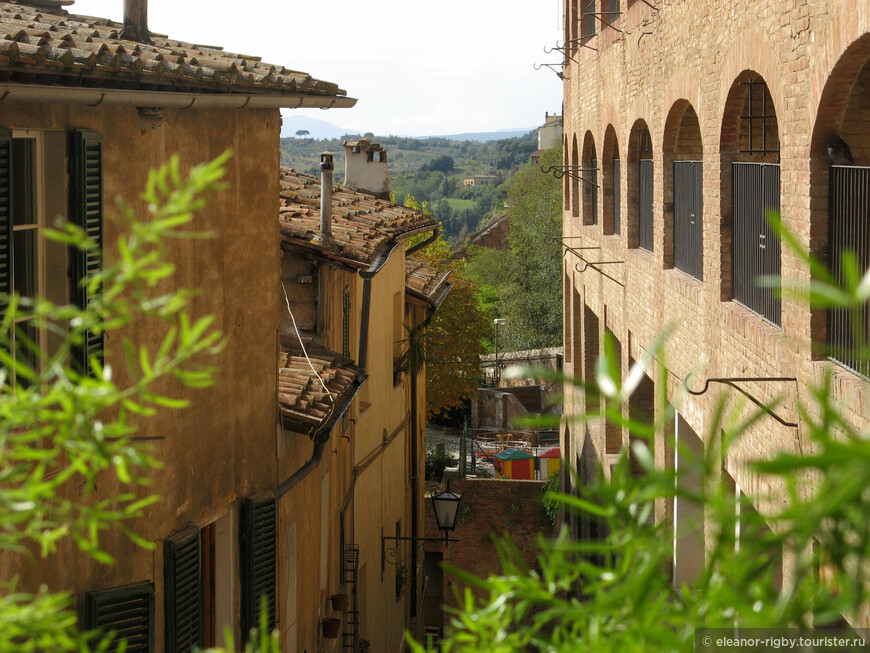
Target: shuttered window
(182, 590)
(86, 211)
(127, 611)
(5, 216)
(259, 569)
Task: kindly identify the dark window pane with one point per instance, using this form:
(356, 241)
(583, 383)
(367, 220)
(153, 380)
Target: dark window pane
(24, 263)
(23, 188)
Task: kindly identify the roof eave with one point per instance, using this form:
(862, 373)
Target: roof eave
(168, 99)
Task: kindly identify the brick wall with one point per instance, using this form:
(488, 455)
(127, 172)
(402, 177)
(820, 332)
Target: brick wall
(489, 507)
(682, 71)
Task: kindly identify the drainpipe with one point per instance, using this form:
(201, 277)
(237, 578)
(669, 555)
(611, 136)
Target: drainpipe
(136, 21)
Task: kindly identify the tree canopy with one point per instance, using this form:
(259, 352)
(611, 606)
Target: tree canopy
(523, 284)
(455, 338)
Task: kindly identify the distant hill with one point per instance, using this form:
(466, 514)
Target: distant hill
(318, 129)
(486, 136)
(323, 130)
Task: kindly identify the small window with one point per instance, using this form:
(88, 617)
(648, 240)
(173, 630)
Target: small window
(587, 20)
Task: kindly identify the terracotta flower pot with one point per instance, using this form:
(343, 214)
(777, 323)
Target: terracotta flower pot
(339, 601)
(331, 627)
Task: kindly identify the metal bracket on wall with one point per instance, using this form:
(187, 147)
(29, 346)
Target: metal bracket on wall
(571, 172)
(591, 264)
(563, 49)
(552, 66)
(733, 381)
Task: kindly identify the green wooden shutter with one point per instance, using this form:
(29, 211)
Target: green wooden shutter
(259, 535)
(86, 211)
(5, 216)
(128, 611)
(182, 588)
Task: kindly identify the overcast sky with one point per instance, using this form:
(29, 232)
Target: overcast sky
(417, 69)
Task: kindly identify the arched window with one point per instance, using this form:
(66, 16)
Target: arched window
(610, 176)
(575, 180)
(749, 151)
(682, 176)
(589, 180)
(640, 187)
(840, 198)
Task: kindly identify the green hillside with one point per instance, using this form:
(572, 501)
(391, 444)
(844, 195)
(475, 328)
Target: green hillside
(431, 170)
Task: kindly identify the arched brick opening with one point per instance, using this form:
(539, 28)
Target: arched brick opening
(639, 190)
(610, 177)
(589, 183)
(840, 189)
(575, 181)
(566, 188)
(682, 154)
(749, 172)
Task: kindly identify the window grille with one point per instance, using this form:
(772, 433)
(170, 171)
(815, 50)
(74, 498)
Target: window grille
(593, 179)
(849, 220)
(688, 218)
(645, 204)
(756, 252)
(643, 152)
(756, 122)
(617, 191)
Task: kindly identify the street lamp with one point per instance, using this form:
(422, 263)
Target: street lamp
(446, 505)
(499, 321)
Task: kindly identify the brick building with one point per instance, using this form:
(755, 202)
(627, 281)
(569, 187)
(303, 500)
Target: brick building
(683, 122)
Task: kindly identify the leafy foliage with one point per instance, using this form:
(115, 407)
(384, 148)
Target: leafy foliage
(436, 461)
(523, 284)
(611, 589)
(454, 337)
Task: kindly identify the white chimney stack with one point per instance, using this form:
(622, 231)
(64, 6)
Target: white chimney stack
(366, 168)
(136, 21)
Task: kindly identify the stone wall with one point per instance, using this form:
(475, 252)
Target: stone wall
(489, 507)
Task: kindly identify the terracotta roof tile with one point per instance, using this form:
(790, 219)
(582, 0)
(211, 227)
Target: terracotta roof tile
(50, 41)
(361, 223)
(426, 280)
(302, 399)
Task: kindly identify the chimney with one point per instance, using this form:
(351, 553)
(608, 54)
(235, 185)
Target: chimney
(366, 168)
(325, 238)
(136, 21)
(326, 168)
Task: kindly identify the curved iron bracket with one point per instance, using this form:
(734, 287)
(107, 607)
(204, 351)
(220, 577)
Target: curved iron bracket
(571, 172)
(591, 264)
(389, 555)
(732, 382)
(552, 66)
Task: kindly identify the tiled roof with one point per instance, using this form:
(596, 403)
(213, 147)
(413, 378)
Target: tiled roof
(361, 224)
(426, 281)
(302, 399)
(48, 45)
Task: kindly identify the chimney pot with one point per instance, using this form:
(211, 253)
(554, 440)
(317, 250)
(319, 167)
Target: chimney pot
(326, 167)
(136, 21)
